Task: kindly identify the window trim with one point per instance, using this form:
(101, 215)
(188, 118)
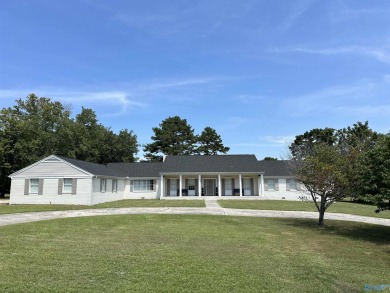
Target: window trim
(69, 191)
(103, 184)
(273, 184)
(149, 185)
(30, 185)
(114, 184)
(289, 181)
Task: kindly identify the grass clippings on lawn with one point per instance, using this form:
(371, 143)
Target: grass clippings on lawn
(176, 253)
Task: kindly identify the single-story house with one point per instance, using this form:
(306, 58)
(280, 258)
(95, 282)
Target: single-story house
(61, 180)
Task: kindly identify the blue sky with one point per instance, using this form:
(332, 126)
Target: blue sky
(259, 72)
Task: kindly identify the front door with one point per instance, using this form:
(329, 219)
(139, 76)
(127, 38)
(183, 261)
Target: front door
(209, 187)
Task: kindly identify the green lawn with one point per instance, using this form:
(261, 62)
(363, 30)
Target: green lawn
(286, 205)
(128, 203)
(177, 253)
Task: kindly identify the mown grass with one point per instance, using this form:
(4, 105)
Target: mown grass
(285, 205)
(177, 253)
(128, 203)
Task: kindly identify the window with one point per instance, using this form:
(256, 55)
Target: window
(103, 183)
(191, 184)
(114, 185)
(272, 184)
(34, 185)
(292, 184)
(191, 187)
(67, 188)
(228, 186)
(143, 185)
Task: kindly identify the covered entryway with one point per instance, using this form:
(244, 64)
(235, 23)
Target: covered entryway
(209, 186)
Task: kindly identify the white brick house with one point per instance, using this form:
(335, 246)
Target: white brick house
(60, 180)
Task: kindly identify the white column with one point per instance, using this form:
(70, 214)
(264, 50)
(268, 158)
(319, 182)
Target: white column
(199, 185)
(162, 187)
(180, 185)
(262, 184)
(240, 183)
(219, 185)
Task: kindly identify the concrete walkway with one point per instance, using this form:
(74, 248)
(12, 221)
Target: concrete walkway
(212, 208)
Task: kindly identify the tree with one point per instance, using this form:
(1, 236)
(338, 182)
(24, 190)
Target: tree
(373, 174)
(38, 127)
(354, 142)
(304, 143)
(28, 132)
(324, 173)
(210, 143)
(270, 159)
(173, 137)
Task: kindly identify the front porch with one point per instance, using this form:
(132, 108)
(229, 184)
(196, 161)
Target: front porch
(211, 185)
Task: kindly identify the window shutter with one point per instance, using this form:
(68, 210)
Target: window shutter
(266, 184)
(288, 184)
(154, 185)
(196, 187)
(60, 185)
(26, 186)
(233, 186)
(178, 186)
(40, 187)
(252, 187)
(74, 186)
(276, 184)
(186, 184)
(223, 187)
(131, 185)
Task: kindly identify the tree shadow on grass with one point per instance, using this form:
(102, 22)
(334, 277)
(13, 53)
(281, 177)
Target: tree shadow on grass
(377, 234)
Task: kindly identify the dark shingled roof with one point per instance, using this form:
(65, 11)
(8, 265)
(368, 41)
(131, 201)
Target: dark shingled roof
(137, 169)
(217, 163)
(275, 168)
(188, 164)
(93, 168)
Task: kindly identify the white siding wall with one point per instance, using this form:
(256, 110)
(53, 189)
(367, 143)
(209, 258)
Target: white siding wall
(108, 195)
(282, 193)
(140, 195)
(50, 193)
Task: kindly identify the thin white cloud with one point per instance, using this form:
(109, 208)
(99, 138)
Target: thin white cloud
(365, 110)
(111, 99)
(132, 95)
(250, 98)
(380, 54)
(249, 144)
(278, 139)
(299, 8)
(365, 98)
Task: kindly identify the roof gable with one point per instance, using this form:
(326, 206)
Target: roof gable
(49, 167)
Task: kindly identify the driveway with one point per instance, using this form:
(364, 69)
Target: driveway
(212, 208)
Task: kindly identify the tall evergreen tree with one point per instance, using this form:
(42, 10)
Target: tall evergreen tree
(173, 137)
(210, 143)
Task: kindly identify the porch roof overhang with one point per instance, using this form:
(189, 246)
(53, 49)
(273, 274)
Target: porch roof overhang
(212, 173)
